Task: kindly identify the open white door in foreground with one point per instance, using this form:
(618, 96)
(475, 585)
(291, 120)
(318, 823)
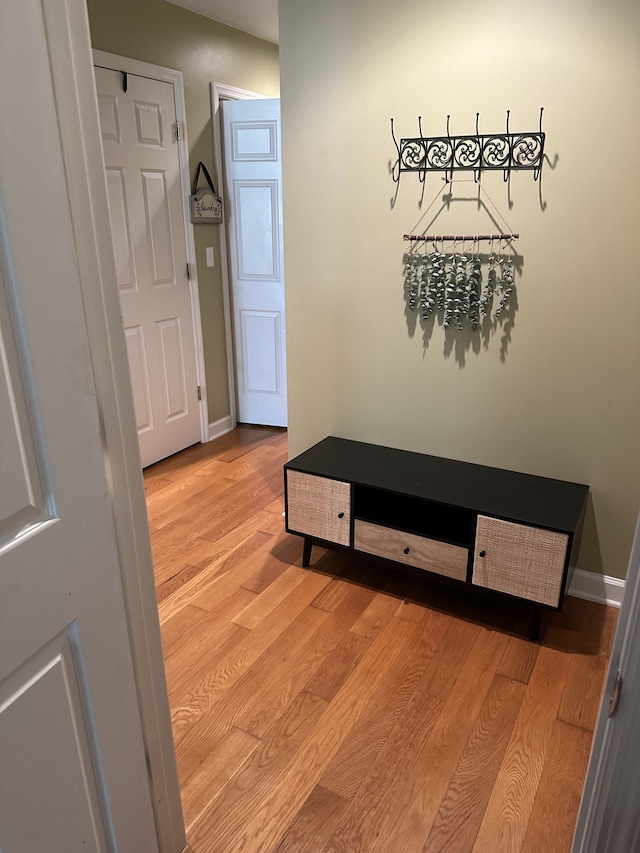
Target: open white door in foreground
(253, 186)
(73, 771)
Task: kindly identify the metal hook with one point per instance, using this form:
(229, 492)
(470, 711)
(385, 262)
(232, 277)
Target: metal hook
(422, 176)
(507, 171)
(476, 172)
(538, 169)
(393, 136)
(449, 176)
(395, 175)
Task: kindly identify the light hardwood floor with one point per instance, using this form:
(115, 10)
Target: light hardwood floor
(345, 707)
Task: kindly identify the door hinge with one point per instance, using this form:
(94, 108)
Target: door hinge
(189, 272)
(199, 393)
(615, 694)
(178, 130)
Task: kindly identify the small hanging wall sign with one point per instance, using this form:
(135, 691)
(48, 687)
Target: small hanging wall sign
(206, 204)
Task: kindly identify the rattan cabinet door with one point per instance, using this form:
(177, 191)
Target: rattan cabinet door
(520, 560)
(319, 507)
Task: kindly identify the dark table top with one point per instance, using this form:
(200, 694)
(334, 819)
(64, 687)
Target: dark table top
(526, 498)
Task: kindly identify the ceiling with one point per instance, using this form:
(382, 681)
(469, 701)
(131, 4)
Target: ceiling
(258, 17)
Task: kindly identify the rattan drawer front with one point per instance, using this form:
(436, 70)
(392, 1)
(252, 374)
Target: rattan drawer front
(520, 560)
(413, 550)
(319, 507)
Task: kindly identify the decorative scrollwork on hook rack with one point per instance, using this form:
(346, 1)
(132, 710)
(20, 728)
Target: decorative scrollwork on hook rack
(472, 152)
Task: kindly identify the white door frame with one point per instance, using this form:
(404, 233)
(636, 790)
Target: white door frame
(220, 92)
(176, 79)
(79, 131)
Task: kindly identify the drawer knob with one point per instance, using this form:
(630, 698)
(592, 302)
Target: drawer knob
(340, 515)
(482, 554)
(406, 551)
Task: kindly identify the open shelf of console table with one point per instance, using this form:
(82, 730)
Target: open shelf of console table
(514, 534)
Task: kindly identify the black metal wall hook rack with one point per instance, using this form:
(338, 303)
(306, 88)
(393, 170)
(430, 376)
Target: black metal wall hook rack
(474, 152)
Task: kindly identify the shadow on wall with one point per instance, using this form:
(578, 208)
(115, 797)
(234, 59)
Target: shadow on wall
(590, 543)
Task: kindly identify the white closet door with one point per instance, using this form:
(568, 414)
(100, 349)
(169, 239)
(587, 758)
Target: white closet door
(253, 187)
(147, 223)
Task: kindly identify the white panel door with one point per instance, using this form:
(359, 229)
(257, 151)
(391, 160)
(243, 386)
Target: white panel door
(146, 209)
(72, 761)
(253, 186)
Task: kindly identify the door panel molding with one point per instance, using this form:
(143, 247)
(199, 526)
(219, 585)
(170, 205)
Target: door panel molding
(257, 258)
(42, 703)
(254, 140)
(261, 375)
(24, 460)
(109, 118)
(149, 124)
(169, 339)
(122, 241)
(139, 377)
(158, 231)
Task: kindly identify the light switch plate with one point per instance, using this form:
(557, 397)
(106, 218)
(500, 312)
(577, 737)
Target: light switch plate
(210, 258)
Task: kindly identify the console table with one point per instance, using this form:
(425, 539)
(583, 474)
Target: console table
(515, 534)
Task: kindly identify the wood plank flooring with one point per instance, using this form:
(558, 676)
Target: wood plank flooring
(346, 707)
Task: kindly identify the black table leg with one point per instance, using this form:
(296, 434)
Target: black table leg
(534, 621)
(306, 552)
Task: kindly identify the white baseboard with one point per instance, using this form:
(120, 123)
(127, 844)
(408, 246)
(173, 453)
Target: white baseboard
(594, 587)
(220, 427)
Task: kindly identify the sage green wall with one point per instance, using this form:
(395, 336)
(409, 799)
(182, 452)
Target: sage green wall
(159, 32)
(555, 391)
